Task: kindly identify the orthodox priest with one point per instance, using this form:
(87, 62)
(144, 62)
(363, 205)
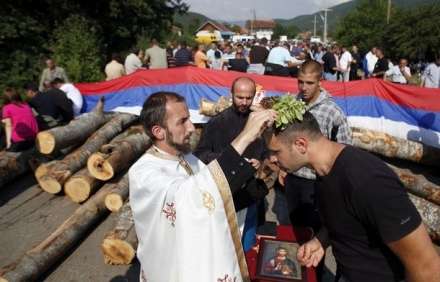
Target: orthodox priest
(183, 209)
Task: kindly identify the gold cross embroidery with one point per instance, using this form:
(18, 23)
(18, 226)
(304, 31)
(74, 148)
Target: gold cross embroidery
(208, 200)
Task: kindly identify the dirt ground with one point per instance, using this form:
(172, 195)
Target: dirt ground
(28, 215)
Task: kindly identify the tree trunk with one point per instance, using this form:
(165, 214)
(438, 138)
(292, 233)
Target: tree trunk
(211, 109)
(119, 245)
(431, 216)
(80, 186)
(39, 259)
(418, 185)
(73, 133)
(389, 146)
(14, 164)
(118, 156)
(53, 175)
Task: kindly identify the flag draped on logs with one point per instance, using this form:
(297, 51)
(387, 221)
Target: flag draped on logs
(117, 155)
(393, 147)
(119, 245)
(53, 175)
(73, 133)
(80, 186)
(38, 260)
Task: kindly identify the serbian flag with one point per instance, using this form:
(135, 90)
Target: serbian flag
(407, 112)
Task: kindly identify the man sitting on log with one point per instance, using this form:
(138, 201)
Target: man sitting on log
(220, 131)
(183, 210)
(375, 231)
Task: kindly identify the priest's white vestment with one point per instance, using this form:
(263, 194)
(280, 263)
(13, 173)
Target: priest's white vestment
(185, 220)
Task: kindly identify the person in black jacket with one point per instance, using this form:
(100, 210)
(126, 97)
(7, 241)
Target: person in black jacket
(217, 134)
(52, 106)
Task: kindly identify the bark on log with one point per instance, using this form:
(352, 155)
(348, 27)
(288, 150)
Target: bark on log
(393, 147)
(13, 164)
(418, 185)
(115, 200)
(38, 260)
(431, 216)
(210, 109)
(73, 133)
(117, 156)
(53, 175)
(80, 186)
(119, 245)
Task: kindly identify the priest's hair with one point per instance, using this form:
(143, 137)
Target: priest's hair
(154, 110)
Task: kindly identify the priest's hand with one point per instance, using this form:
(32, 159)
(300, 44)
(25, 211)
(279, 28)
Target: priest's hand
(255, 163)
(255, 126)
(311, 253)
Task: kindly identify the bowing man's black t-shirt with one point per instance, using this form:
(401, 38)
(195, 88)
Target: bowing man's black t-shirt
(364, 206)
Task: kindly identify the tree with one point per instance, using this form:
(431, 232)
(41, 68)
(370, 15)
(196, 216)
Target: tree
(291, 31)
(27, 30)
(412, 33)
(76, 46)
(415, 33)
(364, 26)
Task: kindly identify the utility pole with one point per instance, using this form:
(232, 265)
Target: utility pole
(325, 24)
(253, 19)
(314, 27)
(389, 12)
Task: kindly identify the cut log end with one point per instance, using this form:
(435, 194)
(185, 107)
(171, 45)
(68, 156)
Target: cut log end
(45, 142)
(117, 251)
(49, 184)
(99, 167)
(77, 189)
(114, 202)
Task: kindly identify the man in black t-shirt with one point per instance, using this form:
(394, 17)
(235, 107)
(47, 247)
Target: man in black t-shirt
(374, 229)
(381, 65)
(330, 65)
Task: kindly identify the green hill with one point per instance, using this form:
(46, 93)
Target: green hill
(190, 21)
(305, 22)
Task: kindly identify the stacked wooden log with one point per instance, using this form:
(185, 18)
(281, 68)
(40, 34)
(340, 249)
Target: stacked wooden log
(119, 245)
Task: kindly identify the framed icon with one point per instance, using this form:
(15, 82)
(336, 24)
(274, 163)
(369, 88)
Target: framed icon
(277, 261)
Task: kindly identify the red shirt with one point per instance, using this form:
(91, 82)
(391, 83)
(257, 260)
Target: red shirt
(24, 124)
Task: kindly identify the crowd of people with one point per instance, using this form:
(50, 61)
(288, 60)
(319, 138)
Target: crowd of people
(340, 63)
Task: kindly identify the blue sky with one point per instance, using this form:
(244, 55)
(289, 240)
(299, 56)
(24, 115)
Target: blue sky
(236, 10)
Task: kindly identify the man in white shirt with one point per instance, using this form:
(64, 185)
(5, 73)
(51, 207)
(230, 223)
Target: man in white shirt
(371, 60)
(431, 75)
(278, 60)
(211, 53)
(344, 64)
(72, 93)
(399, 73)
(133, 61)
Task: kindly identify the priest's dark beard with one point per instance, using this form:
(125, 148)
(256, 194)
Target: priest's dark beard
(184, 148)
